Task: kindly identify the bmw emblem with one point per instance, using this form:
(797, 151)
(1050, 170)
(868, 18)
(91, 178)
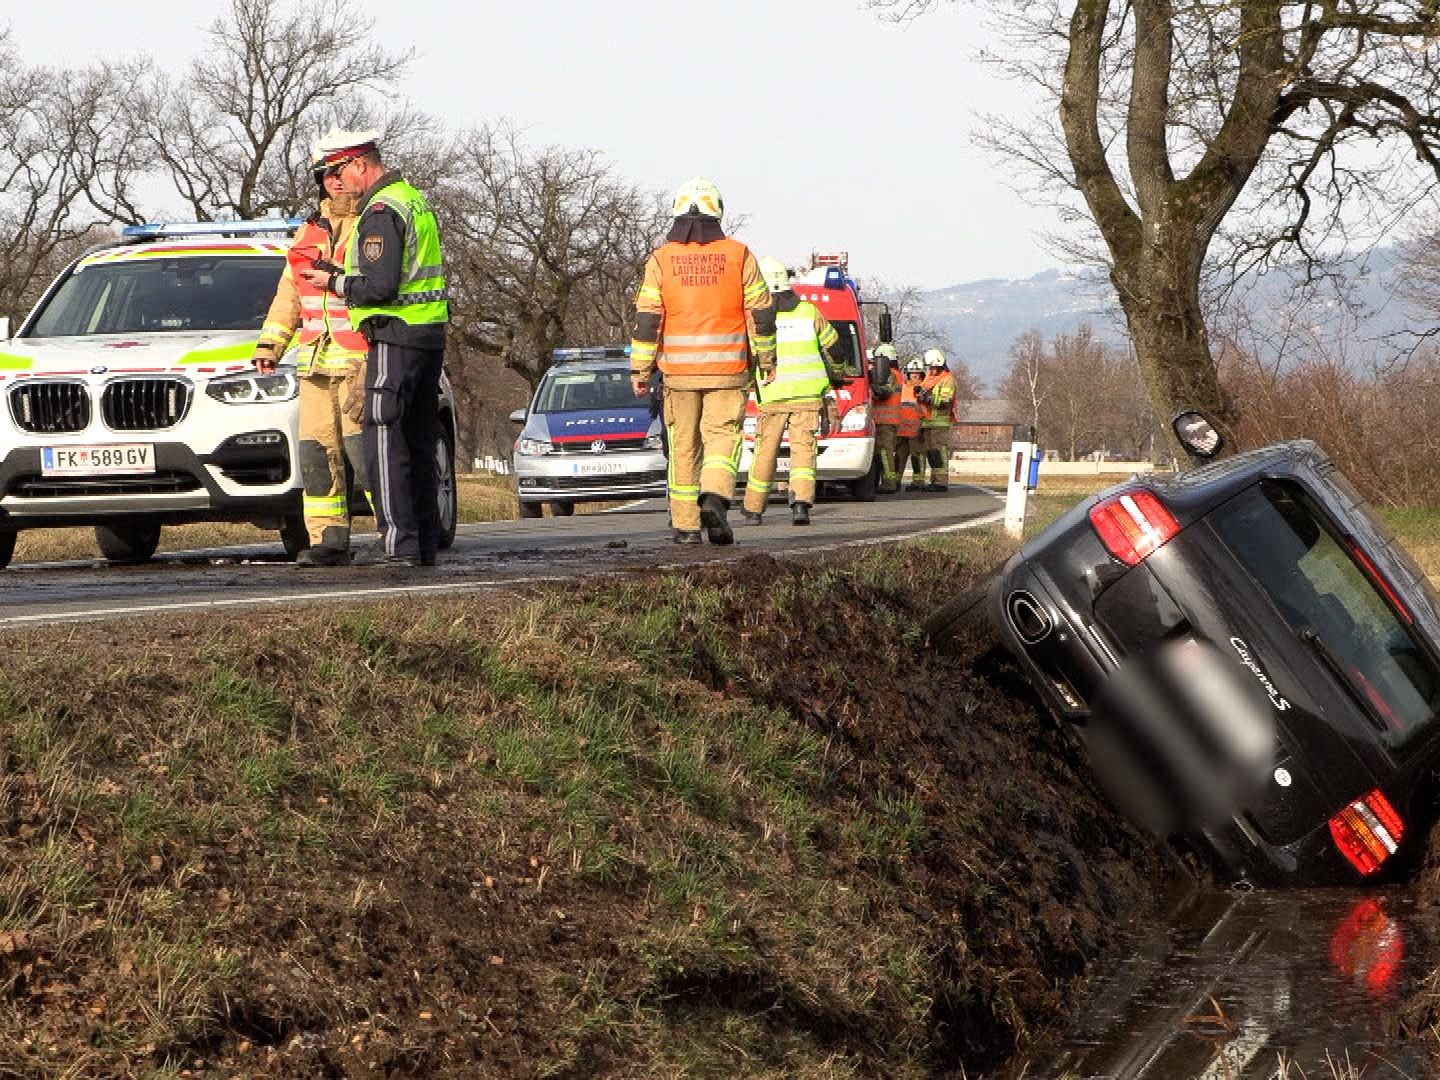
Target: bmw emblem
(99, 369)
(598, 446)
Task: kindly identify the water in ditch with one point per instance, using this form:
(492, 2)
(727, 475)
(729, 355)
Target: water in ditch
(1231, 985)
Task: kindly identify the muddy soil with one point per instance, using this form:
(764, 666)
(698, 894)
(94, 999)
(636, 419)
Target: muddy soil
(432, 930)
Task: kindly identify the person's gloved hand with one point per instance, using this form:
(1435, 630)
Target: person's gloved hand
(264, 359)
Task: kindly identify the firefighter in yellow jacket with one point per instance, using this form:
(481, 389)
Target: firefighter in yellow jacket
(701, 310)
(790, 393)
(938, 394)
(330, 364)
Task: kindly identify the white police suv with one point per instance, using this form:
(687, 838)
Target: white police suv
(130, 401)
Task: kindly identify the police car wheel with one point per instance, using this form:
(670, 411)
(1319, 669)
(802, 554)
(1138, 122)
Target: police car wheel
(131, 543)
(7, 548)
(447, 493)
(294, 535)
(529, 510)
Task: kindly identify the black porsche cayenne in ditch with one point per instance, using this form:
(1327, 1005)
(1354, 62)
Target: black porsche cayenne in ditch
(1273, 564)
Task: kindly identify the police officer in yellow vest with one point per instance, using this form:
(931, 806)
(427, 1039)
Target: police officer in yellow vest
(330, 363)
(394, 283)
(789, 394)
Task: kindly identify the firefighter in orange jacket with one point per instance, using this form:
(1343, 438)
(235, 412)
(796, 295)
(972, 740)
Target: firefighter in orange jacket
(886, 413)
(330, 364)
(700, 311)
(910, 442)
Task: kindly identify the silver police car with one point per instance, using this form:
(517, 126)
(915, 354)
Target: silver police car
(586, 437)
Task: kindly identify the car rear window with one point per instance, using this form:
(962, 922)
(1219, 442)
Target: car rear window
(1279, 535)
(567, 391)
(154, 295)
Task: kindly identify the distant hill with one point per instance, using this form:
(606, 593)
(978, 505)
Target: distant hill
(984, 318)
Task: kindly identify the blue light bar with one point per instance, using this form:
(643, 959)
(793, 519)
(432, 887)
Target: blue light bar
(161, 230)
(590, 352)
(834, 278)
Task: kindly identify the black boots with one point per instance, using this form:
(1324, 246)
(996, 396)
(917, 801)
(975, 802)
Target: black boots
(799, 513)
(687, 536)
(713, 512)
(320, 555)
(752, 517)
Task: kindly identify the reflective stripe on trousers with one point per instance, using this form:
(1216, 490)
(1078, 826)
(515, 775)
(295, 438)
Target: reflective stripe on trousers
(402, 428)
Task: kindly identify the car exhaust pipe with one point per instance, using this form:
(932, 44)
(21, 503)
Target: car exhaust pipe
(1029, 619)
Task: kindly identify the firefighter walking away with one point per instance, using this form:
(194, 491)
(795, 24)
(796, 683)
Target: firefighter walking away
(701, 310)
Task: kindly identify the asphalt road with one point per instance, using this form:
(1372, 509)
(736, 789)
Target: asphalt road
(485, 556)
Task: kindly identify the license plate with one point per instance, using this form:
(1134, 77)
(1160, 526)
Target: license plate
(94, 460)
(782, 464)
(599, 468)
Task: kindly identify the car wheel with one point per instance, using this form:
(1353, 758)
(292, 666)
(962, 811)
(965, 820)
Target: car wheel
(125, 544)
(294, 535)
(447, 493)
(864, 489)
(530, 510)
(964, 624)
(562, 509)
(7, 548)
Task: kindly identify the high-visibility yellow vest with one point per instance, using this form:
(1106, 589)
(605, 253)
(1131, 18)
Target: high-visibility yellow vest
(420, 300)
(800, 373)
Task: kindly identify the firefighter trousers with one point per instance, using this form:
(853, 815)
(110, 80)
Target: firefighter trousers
(801, 418)
(330, 440)
(402, 430)
(910, 449)
(937, 454)
(887, 436)
(703, 428)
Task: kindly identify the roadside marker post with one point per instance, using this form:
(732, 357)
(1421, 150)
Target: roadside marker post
(1022, 452)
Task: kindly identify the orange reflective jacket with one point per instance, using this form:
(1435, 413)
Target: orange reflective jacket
(322, 313)
(702, 289)
(912, 412)
(887, 410)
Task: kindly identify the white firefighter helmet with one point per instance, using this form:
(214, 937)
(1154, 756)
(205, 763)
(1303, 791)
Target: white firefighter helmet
(915, 366)
(701, 194)
(775, 273)
(934, 358)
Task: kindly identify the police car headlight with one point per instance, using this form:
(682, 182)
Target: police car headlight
(856, 419)
(532, 447)
(653, 442)
(253, 388)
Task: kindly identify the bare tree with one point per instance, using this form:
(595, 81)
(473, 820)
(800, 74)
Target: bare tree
(234, 133)
(544, 248)
(57, 127)
(1025, 386)
(1167, 111)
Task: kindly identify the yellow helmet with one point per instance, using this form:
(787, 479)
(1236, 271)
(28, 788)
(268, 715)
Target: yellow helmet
(775, 273)
(701, 194)
(934, 358)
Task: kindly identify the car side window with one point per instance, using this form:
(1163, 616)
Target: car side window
(1280, 536)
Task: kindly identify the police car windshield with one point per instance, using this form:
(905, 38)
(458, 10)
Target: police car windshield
(159, 294)
(568, 390)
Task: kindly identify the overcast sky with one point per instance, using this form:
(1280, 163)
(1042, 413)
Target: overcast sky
(827, 127)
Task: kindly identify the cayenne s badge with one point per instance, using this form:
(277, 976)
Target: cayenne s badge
(1250, 662)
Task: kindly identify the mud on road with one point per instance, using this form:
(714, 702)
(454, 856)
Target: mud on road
(720, 820)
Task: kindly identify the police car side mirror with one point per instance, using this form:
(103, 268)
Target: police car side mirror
(518, 416)
(1196, 434)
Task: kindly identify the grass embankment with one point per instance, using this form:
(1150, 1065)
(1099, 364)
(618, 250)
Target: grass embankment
(737, 820)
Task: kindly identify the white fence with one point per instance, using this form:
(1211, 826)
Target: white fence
(997, 463)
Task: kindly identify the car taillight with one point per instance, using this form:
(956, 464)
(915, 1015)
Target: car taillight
(1367, 832)
(1133, 525)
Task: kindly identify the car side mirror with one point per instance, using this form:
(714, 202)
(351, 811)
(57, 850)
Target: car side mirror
(5, 332)
(518, 416)
(887, 328)
(1196, 434)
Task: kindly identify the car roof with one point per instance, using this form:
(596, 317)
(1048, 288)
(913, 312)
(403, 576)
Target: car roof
(195, 247)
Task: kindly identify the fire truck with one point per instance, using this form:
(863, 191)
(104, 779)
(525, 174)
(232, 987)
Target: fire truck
(846, 457)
